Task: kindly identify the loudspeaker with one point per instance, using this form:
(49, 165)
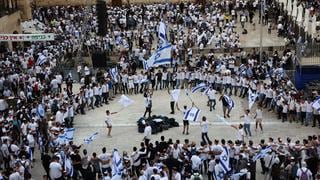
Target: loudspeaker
(99, 59)
(102, 17)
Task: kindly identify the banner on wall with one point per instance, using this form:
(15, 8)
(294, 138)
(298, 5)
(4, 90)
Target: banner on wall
(27, 37)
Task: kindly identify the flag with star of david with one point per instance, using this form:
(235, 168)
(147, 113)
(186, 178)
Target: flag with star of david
(224, 160)
(192, 114)
(252, 98)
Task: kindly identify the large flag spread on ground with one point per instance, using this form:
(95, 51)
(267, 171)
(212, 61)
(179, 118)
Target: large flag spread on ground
(125, 101)
(175, 94)
(161, 57)
(116, 163)
(89, 139)
(192, 114)
(163, 33)
(198, 87)
(316, 104)
(252, 98)
(230, 101)
(114, 74)
(262, 153)
(224, 160)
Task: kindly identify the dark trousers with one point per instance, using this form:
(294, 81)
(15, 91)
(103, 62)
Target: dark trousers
(205, 138)
(148, 110)
(212, 104)
(172, 107)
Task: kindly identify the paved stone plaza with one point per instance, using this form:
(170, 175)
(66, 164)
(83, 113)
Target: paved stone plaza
(125, 132)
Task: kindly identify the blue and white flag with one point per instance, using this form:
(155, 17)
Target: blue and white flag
(41, 59)
(224, 160)
(40, 111)
(198, 87)
(69, 134)
(116, 163)
(206, 91)
(145, 65)
(163, 33)
(161, 57)
(192, 114)
(252, 98)
(316, 104)
(125, 101)
(114, 74)
(68, 167)
(229, 101)
(262, 153)
(90, 138)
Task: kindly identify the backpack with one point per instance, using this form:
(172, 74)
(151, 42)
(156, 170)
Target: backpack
(304, 175)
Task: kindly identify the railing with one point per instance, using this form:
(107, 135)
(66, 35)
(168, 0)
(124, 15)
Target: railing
(308, 54)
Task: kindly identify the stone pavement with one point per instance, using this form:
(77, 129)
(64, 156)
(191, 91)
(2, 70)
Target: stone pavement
(125, 135)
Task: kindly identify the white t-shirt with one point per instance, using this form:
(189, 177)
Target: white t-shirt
(104, 157)
(108, 121)
(240, 134)
(303, 169)
(196, 162)
(259, 114)
(55, 170)
(246, 119)
(204, 126)
(212, 94)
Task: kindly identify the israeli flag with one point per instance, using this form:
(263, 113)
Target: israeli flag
(162, 33)
(68, 167)
(230, 101)
(145, 65)
(206, 91)
(114, 74)
(218, 173)
(198, 87)
(125, 101)
(316, 104)
(252, 98)
(262, 153)
(116, 163)
(161, 57)
(41, 59)
(192, 114)
(90, 138)
(224, 160)
(40, 111)
(69, 133)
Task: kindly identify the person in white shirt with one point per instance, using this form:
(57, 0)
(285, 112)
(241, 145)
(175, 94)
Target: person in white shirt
(55, 167)
(304, 172)
(204, 130)
(176, 174)
(284, 111)
(105, 160)
(147, 133)
(258, 118)
(247, 120)
(196, 162)
(212, 98)
(309, 112)
(108, 121)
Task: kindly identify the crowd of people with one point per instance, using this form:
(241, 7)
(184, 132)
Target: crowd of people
(36, 107)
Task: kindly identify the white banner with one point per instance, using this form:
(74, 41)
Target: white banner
(26, 37)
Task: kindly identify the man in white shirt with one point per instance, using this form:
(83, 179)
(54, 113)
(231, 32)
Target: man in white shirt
(105, 160)
(147, 133)
(304, 172)
(204, 130)
(55, 167)
(196, 162)
(108, 121)
(212, 98)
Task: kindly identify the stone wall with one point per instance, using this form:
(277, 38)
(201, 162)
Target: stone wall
(10, 23)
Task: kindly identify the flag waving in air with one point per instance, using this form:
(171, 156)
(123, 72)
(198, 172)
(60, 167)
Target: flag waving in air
(192, 114)
(161, 57)
(163, 33)
(198, 87)
(252, 98)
